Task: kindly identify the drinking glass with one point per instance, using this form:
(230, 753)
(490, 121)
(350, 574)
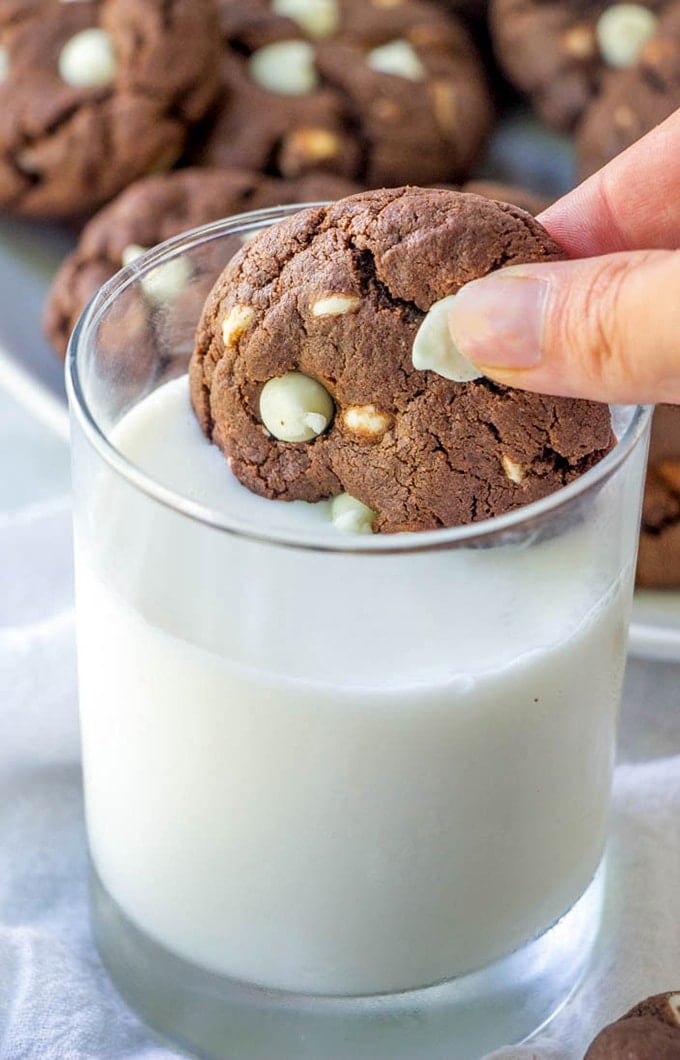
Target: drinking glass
(346, 797)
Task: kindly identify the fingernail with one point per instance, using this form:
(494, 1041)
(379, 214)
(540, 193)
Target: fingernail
(498, 320)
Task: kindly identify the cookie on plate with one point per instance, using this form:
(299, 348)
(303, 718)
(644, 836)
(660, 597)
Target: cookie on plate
(379, 93)
(96, 93)
(648, 1031)
(659, 554)
(560, 52)
(154, 209)
(633, 100)
(303, 371)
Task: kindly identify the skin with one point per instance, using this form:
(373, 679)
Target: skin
(605, 325)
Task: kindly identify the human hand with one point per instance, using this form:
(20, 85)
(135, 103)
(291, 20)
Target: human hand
(605, 326)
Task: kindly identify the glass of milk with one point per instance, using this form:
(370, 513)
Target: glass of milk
(346, 795)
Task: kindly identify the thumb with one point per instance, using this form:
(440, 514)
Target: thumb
(603, 328)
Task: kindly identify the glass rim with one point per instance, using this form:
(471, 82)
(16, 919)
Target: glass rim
(527, 517)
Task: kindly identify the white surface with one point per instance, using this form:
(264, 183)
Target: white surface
(655, 625)
(55, 1000)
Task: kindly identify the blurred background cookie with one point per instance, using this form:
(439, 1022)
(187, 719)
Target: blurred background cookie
(648, 1031)
(381, 93)
(154, 209)
(635, 98)
(96, 93)
(659, 555)
(559, 52)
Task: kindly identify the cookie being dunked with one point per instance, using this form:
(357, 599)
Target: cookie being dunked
(303, 370)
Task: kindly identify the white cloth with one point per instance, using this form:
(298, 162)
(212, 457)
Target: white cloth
(56, 1002)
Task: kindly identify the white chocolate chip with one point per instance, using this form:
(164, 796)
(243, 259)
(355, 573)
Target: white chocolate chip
(286, 67)
(674, 1005)
(434, 348)
(163, 283)
(318, 18)
(236, 322)
(351, 516)
(622, 32)
(4, 64)
(366, 420)
(336, 305)
(514, 471)
(398, 58)
(295, 408)
(87, 60)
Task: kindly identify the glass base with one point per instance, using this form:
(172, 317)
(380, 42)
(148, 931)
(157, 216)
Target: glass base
(463, 1019)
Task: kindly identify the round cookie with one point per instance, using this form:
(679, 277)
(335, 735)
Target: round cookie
(633, 100)
(559, 52)
(649, 1031)
(96, 93)
(383, 94)
(157, 208)
(338, 294)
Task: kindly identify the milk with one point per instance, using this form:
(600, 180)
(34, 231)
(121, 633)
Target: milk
(335, 774)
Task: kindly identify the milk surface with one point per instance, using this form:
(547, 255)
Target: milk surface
(335, 774)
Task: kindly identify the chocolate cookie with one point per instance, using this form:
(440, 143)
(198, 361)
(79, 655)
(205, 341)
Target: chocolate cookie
(97, 93)
(154, 209)
(634, 100)
(649, 1031)
(303, 370)
(560, 52)
(382, 94)
(659, 554)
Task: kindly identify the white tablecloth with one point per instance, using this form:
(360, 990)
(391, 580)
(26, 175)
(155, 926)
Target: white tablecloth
(56, 1002)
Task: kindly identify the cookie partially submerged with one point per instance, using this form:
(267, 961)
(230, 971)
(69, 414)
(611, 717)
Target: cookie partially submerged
(303, 371)
(659, 553)
(649, 1031)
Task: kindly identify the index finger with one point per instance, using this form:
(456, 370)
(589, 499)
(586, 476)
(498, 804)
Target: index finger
(630, 204)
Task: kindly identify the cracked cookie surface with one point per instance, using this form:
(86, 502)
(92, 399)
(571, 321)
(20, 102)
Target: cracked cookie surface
(96, 93)
(338, 295)
(383, 94)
